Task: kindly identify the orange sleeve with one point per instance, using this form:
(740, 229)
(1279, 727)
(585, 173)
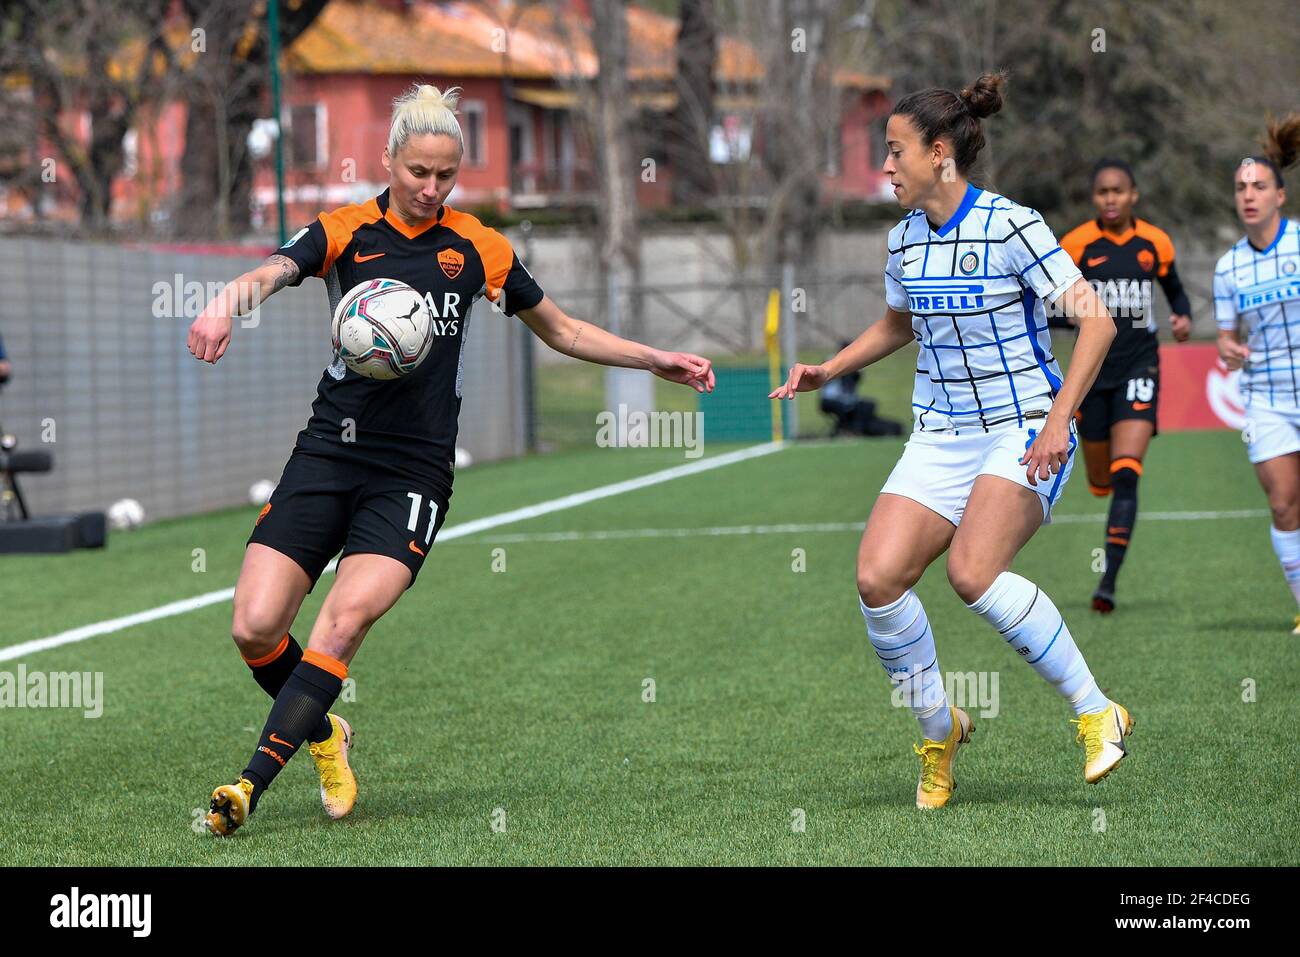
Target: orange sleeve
(1160, 239)
(1077, 240)
(493, 249)
(340, 224)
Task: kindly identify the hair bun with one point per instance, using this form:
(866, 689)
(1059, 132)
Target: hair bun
(1282, 140)
(984, 97)
(426, 91)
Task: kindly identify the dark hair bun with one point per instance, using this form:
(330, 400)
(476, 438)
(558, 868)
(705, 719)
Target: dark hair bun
(984, 96)
(1282, 140)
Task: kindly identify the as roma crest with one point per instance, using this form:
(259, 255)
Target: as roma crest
(451, 262)
(1146, 259)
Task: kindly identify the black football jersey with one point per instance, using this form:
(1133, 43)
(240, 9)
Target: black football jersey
(407, 425)
(1121, 268)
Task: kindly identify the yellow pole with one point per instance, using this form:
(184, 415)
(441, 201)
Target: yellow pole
(770, 330)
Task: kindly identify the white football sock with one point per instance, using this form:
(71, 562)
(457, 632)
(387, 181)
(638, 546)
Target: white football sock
(1287, 547)
(1027, 619)
(901, 636)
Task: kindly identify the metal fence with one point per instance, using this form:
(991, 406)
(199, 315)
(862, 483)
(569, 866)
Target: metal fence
(692, 297)
(723, 317)
(102, 378)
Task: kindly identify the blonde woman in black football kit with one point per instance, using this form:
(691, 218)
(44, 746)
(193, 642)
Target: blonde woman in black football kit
(379, 488)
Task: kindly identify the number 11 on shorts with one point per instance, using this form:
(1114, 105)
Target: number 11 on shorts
(415, 516)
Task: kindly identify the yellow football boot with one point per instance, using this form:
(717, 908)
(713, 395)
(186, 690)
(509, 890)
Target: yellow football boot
(229, 807)
(937, 758)
(1102, 735)
(338, 785)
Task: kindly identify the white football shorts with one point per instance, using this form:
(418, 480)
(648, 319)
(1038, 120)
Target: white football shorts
(938, 469)
(1271, 431)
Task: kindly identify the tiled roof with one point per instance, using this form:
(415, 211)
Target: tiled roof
(458, 38)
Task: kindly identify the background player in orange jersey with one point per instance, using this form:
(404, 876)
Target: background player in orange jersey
(1120, 254)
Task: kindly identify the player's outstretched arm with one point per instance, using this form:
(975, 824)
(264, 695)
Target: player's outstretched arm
(1051, 449)
(210, 332)
(582, 340)
(881, 339)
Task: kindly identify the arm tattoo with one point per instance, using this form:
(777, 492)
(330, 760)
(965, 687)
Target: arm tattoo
(576, 335)
(286, 272)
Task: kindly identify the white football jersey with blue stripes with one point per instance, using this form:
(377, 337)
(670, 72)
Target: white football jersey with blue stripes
(1261, 290)
(975, 288)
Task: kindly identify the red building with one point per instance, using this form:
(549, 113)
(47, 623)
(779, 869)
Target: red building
(520, 69)
(517, 67)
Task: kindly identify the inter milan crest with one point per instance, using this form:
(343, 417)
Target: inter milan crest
(1288, 267)
(969, 263)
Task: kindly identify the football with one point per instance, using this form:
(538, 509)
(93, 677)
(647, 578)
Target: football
(382, 329)
(259, 493)
(125, 514)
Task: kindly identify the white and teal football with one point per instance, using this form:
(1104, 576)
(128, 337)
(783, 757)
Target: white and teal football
(382, 329)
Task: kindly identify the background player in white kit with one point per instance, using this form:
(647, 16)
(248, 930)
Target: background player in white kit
(1257, 291)
(994, 440)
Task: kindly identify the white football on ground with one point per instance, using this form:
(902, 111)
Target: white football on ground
(125, 514)
(259, 493)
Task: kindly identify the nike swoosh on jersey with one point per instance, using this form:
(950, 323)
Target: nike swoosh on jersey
(1097, 261)
(361, 259)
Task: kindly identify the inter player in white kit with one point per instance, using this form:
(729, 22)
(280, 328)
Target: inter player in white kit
(994, 441)
(1257, 295)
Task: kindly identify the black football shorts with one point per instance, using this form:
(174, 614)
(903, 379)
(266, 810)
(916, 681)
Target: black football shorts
(1137, 397)
(325, 504)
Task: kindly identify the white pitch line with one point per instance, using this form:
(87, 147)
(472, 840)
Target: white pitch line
(447, 534)
(115, 624)
(606, 491)
(799, 529)
(1183, 516)
(625, 533)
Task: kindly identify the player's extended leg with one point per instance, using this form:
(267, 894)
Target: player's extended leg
(1129, 441)
(268, 595)
(1000, 518)
(902, 538)
(365, 588)
(1280, 478)
(270, 590)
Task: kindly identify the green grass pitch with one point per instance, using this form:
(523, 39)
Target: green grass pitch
(522, 690)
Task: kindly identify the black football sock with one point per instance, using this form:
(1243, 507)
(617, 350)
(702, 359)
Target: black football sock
(1124, 475)
(273, 670)
(299, 707)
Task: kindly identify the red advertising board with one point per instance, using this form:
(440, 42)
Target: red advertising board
(1196, 389)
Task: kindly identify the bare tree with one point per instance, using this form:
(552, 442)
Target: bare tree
(797, 116)
(604, 121)
(620, 255)
(1105, 78)
(225, 91)
(89, 58)
(691, 119)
